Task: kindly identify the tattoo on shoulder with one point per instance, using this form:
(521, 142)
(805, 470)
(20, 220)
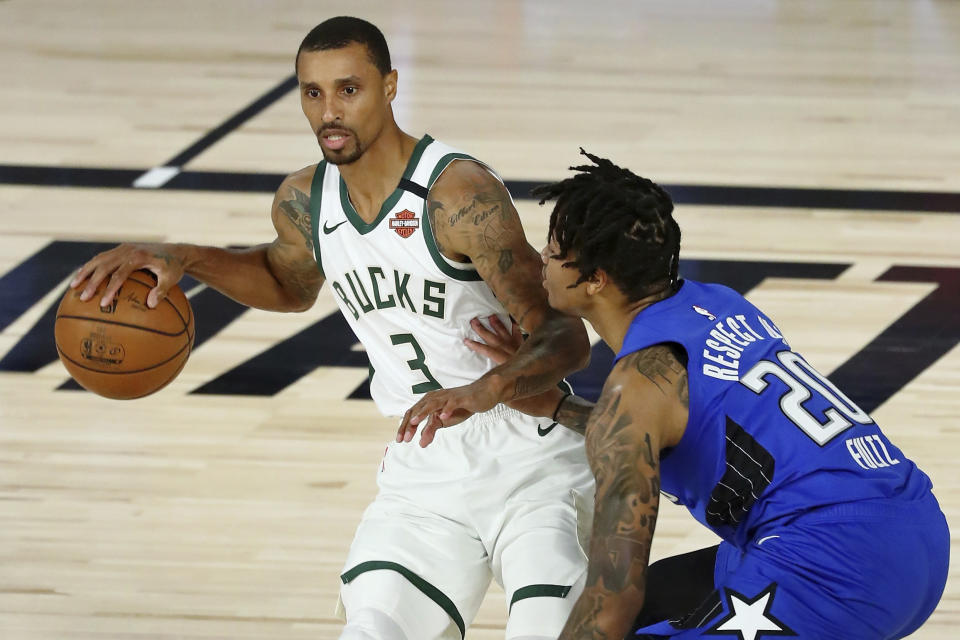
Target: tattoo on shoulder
(506, 260)
(297, 210)
(486, 212)
(660, 366)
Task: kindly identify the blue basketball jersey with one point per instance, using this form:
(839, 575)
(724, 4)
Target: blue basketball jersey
(768, 437)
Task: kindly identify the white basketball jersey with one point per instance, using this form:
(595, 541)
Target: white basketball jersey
(409, 305)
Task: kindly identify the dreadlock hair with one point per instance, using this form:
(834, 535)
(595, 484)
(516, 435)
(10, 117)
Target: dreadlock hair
(612, 219)
(339, 32)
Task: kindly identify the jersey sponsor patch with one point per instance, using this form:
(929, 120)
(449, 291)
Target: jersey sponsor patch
(404, 223)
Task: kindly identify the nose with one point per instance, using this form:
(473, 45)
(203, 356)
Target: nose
(331, 111)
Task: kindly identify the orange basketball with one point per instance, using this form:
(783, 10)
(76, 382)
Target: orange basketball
(126, 350)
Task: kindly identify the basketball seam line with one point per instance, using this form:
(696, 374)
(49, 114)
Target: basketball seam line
(114, 373)
(168, 380)
(126, 324)
(185, 321)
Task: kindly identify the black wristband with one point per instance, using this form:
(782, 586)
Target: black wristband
(560, 404)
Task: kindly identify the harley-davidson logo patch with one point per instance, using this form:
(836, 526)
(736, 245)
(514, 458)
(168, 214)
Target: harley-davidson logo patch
(404, 223)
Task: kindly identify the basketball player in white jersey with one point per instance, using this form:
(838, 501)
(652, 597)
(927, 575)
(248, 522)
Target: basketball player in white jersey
(416, 239)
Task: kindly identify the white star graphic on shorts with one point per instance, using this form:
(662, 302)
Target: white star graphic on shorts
(751, 619)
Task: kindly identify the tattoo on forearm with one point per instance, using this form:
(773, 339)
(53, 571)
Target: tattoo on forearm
(168, 258)
(541, 359)
(297, 211)
(530, 384)
(574, 413)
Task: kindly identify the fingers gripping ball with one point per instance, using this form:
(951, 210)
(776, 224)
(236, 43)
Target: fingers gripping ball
(125, 350)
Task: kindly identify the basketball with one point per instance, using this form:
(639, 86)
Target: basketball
(125, 350)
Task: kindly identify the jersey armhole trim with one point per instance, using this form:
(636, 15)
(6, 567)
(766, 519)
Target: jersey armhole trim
(422, 585)
(444, 264)
(316, 196)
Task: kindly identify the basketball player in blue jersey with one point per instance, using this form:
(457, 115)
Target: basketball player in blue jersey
(828, 530)
(415, 238)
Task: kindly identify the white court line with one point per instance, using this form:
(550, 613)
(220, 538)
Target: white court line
(156, 177)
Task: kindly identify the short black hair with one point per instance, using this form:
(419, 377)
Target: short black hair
(342, 31)
(614, 220)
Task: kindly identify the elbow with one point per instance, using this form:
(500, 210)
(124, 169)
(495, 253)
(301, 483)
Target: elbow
(288, 302)
(299, 306)
(297, 299)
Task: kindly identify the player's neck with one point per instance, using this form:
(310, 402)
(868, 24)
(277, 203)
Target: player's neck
(611, 318)
(374, 176)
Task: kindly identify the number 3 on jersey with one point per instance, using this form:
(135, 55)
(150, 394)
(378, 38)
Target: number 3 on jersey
(417, 364)
(800, 378)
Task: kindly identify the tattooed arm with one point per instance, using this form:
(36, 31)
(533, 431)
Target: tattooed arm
(280, 276)
(473, 216)
(642, 410)
(473, 219)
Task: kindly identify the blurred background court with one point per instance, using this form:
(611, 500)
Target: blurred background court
(811, 147)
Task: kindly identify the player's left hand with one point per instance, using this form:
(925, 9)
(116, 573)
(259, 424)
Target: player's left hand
(497, 343)
(445, 408)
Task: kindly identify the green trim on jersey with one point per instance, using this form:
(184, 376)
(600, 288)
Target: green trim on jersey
(388, 204)
(465, 275)
(422, 585)
(316, 196)
(539, 591)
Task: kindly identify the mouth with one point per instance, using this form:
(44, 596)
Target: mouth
(334, 139)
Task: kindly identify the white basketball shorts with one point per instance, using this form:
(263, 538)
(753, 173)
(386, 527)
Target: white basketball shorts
(502, 495)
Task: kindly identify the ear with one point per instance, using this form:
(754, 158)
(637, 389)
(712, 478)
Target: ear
(390, 85)
(597, 282)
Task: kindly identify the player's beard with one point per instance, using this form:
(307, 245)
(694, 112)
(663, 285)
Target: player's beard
(341, 156)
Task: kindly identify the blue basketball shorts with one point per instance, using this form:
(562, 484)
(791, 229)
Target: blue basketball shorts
(869, 570)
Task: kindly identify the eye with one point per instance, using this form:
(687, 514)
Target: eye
(350, 90)
(313, 93)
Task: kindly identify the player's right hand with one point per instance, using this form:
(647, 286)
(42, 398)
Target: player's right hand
(164, 260)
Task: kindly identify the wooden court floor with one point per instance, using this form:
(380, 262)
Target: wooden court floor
(811, 146)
